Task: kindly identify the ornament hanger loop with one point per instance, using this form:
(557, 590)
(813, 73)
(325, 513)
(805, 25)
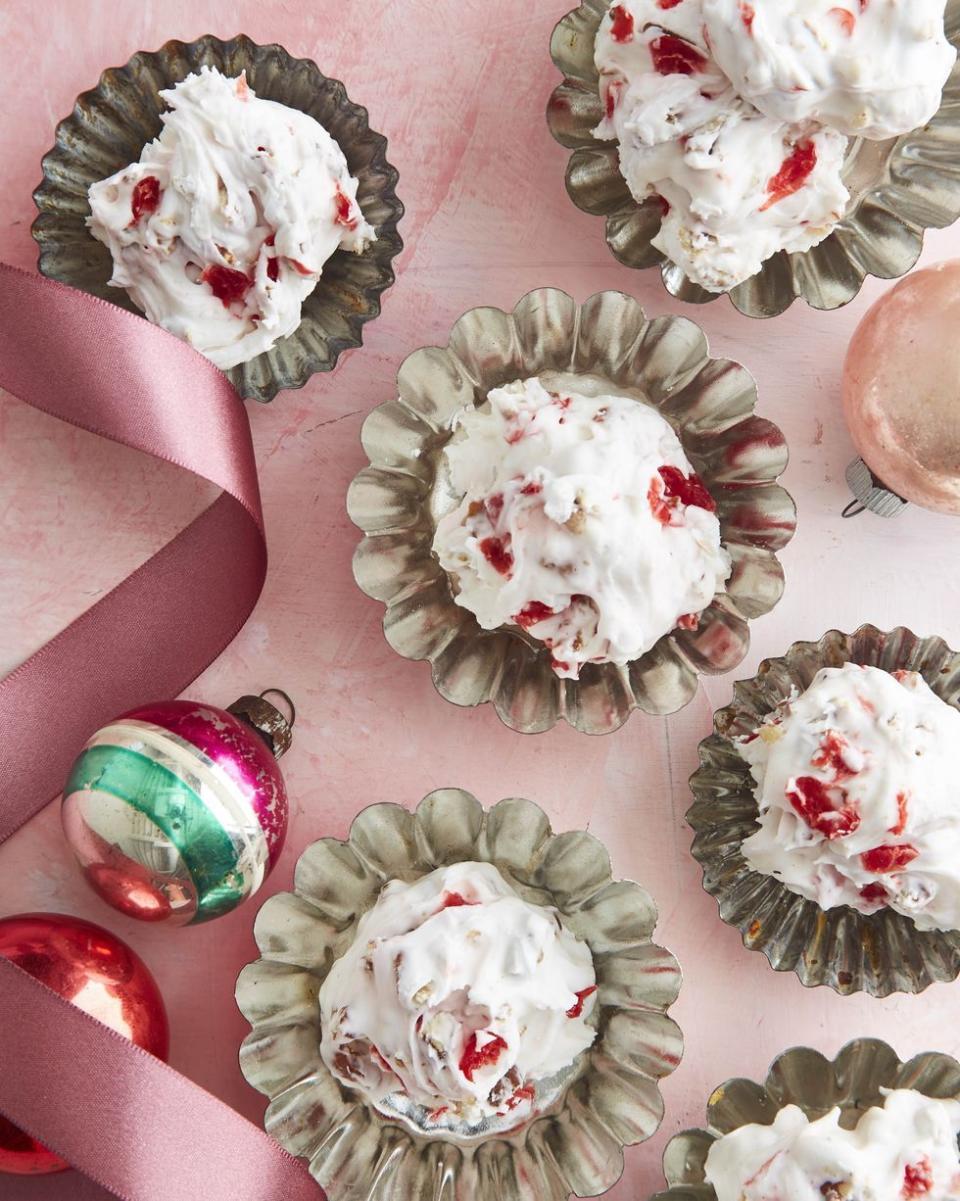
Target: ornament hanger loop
(290, 705)
(854, 508)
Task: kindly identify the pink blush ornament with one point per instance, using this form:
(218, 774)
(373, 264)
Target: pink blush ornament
(901, 395)
(177, 811)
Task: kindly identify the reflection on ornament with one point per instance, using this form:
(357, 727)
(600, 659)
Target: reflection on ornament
(92, 968)
(900, 396)
(177, 811)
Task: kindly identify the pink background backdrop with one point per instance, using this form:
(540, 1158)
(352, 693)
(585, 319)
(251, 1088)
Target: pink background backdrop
(459, 88)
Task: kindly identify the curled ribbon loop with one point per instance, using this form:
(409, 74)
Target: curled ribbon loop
(127, 1121)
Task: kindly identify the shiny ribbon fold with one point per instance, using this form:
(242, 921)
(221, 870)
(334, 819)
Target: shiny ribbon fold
(127, 1121)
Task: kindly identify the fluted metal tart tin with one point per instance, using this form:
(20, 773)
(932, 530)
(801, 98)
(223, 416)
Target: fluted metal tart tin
(880, 953)
(110, 125)
(855, 1081)
(606, 342)
(898, 188)
(609, 1098)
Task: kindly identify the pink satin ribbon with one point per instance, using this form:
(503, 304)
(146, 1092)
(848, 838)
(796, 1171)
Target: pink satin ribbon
(127, 1121)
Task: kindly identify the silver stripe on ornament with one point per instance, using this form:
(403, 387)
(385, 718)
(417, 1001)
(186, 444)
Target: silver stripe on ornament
(135, 836)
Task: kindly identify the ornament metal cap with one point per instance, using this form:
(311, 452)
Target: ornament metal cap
(266, 719)
(870, 493)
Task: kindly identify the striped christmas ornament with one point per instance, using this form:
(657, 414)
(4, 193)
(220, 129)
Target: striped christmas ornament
(177, 811)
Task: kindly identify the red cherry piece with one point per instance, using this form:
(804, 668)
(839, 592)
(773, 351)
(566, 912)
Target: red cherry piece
(576, 1008)
(531, 614)
(687, 489)
(830, 755)
(273, 264)
(344, 207)
(525, 1093)
(814, 801)
(474, 1058)
(902, 814)
(666, 4)
(534, 488)
(874, 892)
(917, 1179)
(612, 88)
(673, 56)
(746, 16)
(226, 284)
(453, 900)
(146, 197)
(888, 859)
(794, 173)
(658, 506)
(494, 507)
(689, 621)
(381, 1060)
(559, 665)
(497, 553)
(621, 28)
(846, 18)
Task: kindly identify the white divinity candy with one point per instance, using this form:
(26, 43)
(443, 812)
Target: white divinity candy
(736, 187)
(581, 521)
(737, 191)
(458, 995)
(221, 230)
(648, 105)
(871, 68)
(857, 789)
(905, 1150)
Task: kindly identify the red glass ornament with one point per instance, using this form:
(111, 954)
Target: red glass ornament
(98, 973)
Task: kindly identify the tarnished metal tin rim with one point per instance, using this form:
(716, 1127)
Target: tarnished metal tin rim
(608, 1099)
(397, 500)
(110, 125)
(855, 1081)
(848, 951)
(898, 188)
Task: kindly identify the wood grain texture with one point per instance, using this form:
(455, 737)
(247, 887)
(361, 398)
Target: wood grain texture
(459, 87)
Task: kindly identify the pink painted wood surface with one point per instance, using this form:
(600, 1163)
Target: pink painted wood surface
(459, 87)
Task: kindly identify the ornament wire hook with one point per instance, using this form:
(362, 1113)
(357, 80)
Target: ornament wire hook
(290, 705)
(854, 508)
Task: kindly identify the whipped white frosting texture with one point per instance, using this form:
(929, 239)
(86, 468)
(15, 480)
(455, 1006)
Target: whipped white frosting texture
(582, 522)
(857, 794)
(905, 1150)
(874, 69)
(221, 230)
(458, 994)
(690, 90)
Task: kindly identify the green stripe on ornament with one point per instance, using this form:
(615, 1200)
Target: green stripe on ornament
(205, 847)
